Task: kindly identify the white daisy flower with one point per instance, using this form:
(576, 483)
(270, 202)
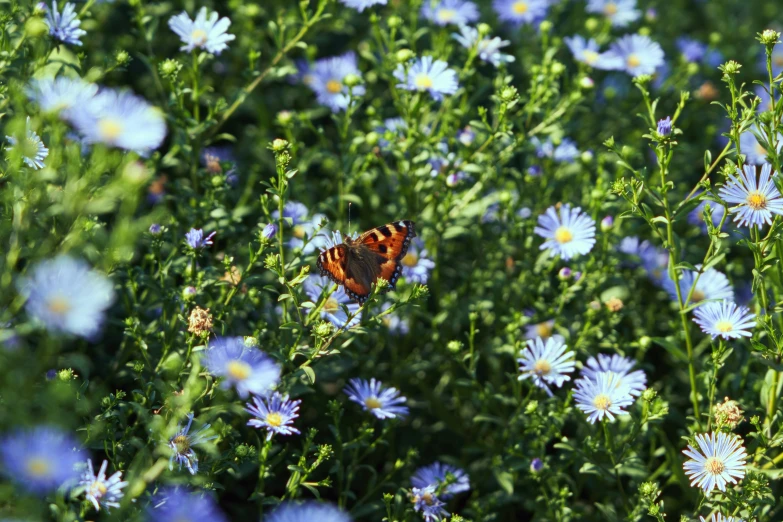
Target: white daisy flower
(755, 201)
(719, 460)
(568, 233)
(546, 363)
(635, 381)
(203, 33)
(725, 319)
(426, 74)
(34, 152)
(604, 396)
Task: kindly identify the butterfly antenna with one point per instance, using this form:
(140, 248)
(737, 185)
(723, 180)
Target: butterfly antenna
(349, 217)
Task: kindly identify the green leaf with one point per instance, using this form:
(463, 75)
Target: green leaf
(310, 373)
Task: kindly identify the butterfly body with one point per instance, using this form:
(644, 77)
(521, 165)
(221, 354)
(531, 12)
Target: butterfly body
(358, 263)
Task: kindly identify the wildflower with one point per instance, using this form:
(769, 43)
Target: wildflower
(755, 153)
(196, 240)
(614, 304)
(566, 151)
(67, 296)
(619, 12)
(547, 363)
(327, 80)
(724, 319)
(719, 460)
(417, 265)
(568, 232)
(755, 201)
(720, 518)
(102, 491)
(607, 223)
(520, 11)
(275, 414)
(202, 33)
(64, 26)
(587, 51)
(246, 368)
(696, 216)
(269, 231)
(177, 505)
(536, 465)
(639, 54)
(199, 321)
(467, 136)
(34, 152)
(383, 403)
(665, 126)
(394, 322)
(711, 285)
(308, 512)
(430, 506)
(426, 75)
(602, 396)
(213, 158)
(304, 227)
(336, 302)
(565, 273)
(691, 50)
(634, 381)
(438, 473)
(120, 119)
(61, 94)
(445, 12)
(544, 330)
(182, 446)
(488, 48)
(728, 414)
(40, 459)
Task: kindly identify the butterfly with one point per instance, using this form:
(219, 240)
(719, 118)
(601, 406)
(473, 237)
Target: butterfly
(358, 263)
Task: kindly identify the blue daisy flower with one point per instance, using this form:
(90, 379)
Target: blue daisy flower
(99, 489)
(725, 319)
(64, 26)
(488, 48)
(426, 502)
(568, 233)
(603, 396)
(61, 94)
(41, 459)
(711, 285)
(32, 148)
(383, 403)
(619, 12)
(718, 517)
(243, 367)
(196, 240)
(182, 443)
(692, 51)
(417, 265)
(428, 75)
(361, 5)
(756, 200)
(588, 52)
(333, 309)
(634, 380)
(754, 152)
(437, 474)
(308, 512)
(67, 296)
(202, 33)
(326, 80)
(304, 227)
(120, 119)
(275, 414)
(520, 11)
(445, 12)
(639, 54)
(719, 460)
(178, 505)
(565, 152)
(546, 362)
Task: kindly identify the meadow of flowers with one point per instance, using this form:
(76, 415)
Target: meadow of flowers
(574, 313)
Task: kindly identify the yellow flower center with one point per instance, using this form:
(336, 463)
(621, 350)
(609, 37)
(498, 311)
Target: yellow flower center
(38, 467)
(724, 326)
(238, 370)
(331, 305)
(213, 164)
(610, 9)
(199, 37)
(182, 444)
(563, 235)
(334, 86)
(633, 61)
(423, 81)
(761, 151)
(299, 232)
(427, 498)
(446, 15)
(714, 466)
(602, 401)
(109, 129)
(410, 259)
(590, 56)
(372, 403)
(697, 296)
(519, 8)
(544, 330)
(29, 148)
(59, 305)
(757, 200)
(98, 489)
(542, 367)
(274, 419)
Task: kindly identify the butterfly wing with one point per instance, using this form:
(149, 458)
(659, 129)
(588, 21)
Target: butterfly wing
(332, 264)
(390, 243)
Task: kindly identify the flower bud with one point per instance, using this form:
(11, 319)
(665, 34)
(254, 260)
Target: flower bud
(403, 55)
(607, 223)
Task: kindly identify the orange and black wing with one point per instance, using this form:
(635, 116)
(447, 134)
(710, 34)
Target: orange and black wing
(391, 243)
(332, 263)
